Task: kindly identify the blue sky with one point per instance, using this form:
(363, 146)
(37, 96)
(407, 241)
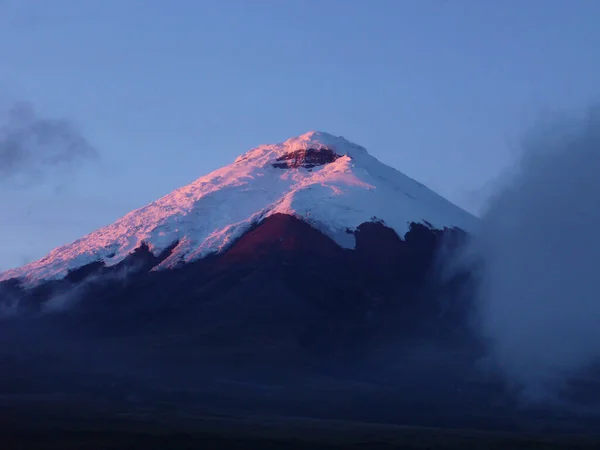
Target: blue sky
(167, 91)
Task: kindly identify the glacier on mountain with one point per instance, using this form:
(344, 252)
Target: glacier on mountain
(336, 186)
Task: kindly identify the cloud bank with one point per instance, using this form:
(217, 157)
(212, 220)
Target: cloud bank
(539, 293)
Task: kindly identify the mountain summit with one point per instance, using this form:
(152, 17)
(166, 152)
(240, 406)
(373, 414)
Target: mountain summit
(326, 181)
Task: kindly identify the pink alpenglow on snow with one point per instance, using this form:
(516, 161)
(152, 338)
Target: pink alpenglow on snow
(325, 180)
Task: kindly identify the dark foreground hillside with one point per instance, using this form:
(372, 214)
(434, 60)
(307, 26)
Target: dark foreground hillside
(265, 434)
(284, 325)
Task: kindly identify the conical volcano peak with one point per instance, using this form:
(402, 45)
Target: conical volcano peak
(320, 140)
(313, 145)
(323, 180)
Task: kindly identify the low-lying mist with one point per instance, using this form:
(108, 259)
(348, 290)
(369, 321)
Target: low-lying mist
(538, 299)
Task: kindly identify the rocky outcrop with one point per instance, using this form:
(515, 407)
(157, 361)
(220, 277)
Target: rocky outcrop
(307, 158)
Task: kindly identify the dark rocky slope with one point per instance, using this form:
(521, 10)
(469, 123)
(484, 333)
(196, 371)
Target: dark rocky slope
(281, 270)
(283, 322)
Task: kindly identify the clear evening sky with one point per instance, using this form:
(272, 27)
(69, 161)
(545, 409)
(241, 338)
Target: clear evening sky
(167, 90)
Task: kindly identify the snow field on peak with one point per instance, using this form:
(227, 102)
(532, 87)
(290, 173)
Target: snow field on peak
(210, 213)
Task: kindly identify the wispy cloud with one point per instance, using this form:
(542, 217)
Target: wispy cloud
(33, 148)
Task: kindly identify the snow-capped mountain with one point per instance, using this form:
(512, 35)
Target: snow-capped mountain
(326, 181)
